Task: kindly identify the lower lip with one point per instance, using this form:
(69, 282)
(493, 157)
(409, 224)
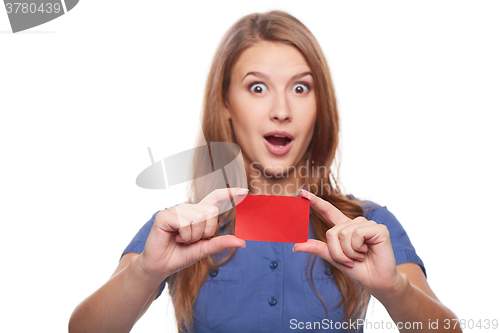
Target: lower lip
(278, 150)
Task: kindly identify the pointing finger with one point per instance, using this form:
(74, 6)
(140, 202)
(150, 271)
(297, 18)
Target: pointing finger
(221, 196)
(331, 213)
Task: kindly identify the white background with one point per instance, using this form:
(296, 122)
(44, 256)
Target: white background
(83, 96)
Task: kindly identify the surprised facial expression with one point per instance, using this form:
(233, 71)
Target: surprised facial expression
(272, 105)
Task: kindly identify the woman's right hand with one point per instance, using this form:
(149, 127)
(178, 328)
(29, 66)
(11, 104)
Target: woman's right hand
(180, 235)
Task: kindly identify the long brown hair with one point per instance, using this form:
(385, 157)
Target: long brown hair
(275, 26)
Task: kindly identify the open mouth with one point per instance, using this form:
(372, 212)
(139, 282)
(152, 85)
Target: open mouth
(278, 140)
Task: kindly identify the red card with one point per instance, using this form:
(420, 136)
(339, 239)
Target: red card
(272, 218)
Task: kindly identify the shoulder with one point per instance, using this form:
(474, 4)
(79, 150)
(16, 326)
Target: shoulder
(370, 209)
(400, 241)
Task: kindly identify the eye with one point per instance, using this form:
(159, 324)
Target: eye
(258, 88)
(300, 88)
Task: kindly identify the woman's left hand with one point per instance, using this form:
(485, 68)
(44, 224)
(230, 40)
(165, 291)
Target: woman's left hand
(359, 248)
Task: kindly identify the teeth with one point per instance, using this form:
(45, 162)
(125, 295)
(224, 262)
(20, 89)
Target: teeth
(280, 136)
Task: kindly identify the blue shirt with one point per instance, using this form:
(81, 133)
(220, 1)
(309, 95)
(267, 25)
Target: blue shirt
(263, 287)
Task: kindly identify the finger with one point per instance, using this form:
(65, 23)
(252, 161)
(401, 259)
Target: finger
(371, 234)
(363, 248)
(191, 223)
(184, 235)
(171, 221)
(222, 196)
(358, 240)
(199, 216)
(345, 235)
(218, 244)
(203, 220)
(179, 219)
(326, 209)
(320, 249)
(167, 220)
(211, 222)
(316, 247)
(335, 248)
(197, 230)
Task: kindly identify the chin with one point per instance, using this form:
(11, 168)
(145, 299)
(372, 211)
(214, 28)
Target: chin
(278, 170)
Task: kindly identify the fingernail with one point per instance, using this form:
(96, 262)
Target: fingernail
(349, 264)
(293, 249)
(308, 195)
(243, 191)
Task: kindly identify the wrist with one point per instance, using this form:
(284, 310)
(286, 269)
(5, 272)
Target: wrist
(396, 292)
(145, 275)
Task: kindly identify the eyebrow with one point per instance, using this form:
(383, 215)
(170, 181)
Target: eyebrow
(265, 76)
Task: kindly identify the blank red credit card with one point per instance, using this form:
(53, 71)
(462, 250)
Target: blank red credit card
(272, 218)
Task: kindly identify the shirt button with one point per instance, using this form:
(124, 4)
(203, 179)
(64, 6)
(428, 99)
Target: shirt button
(272, 301)
(273, 264)
(328, 271)
(213, 273)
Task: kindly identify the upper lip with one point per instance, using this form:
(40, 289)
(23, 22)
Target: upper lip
(288, 135)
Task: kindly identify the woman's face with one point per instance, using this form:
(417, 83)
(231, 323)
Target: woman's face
(272, 106)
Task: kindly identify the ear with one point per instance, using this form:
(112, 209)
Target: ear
(226, 110)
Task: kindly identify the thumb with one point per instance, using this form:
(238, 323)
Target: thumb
(316, 247)
(219, 244)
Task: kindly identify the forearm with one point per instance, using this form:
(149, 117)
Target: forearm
(118, 304)
(410, 305)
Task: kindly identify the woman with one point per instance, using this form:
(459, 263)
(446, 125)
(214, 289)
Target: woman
(269, 90)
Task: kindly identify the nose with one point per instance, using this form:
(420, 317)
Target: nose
(280, 109)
